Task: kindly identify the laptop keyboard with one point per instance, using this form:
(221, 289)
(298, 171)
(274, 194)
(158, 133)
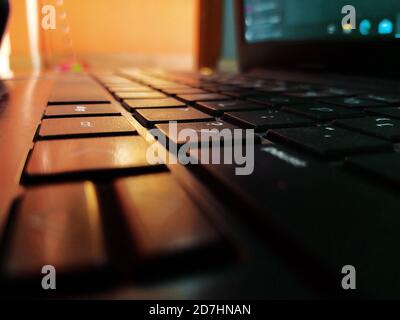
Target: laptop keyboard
(86, 147)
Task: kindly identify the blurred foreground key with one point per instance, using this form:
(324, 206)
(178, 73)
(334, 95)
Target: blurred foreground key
(166, 226)
(56, 225)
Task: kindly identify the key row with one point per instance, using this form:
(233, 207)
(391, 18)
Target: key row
(156, 224)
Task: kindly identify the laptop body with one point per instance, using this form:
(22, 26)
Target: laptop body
(315, 219)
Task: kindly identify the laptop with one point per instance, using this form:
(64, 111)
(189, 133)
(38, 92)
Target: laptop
(279, 182)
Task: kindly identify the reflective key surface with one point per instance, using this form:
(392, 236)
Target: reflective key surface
(57, 157)
(87, 126)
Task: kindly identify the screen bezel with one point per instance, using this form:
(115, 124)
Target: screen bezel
(361, 57)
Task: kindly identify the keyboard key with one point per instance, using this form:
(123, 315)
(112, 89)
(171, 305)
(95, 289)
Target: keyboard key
(130, 89)
(309, 94)
(220, 88)
(132, 105)
(276, 169)
(87, 156)
(149, 117)
(194, 82)
(77, 92)
(353, 102)
(217, 108)
(202, 97)
(323, 112)
(384, 166)
(171, 86)
(262, 120)
(123, 86)
(86, 126)
(198, 127)
(331, 217)
(385, 98)
(139, 95)
(340, 91)
(177, 91)
(58, 225)
(391, 112)
(80, 110)
(115, 80)
(330, 142)
(381, 127)
(276, 101)
(302, 87)
(244, 93)
(165, 226)
(275, 88)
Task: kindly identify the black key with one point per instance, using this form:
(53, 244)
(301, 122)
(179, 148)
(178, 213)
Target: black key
(87, 156)
(80, 110)
(132, 105)
(261, 120)
(309, 94)
(353, 102)
(331, 142)
(166, 228)
(86, 126)
(202, 97)
(323, 112)
(391, 112)
(217, 108)
(381, 127)
(220, 88)
(149, 117)
(384, 166)
(275, 88)
(245, 93)
(57, 225)
(174, 137)
(301, 87)
(276, 101)
(210, 88)
(340, 91)
(140, 95)
(331, 218)
(382, 97)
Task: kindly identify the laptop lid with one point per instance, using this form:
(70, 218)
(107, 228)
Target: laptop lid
(315, 35)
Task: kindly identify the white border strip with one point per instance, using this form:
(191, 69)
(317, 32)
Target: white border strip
(5, 51)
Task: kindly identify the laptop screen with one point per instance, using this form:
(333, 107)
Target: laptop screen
(298, 20)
